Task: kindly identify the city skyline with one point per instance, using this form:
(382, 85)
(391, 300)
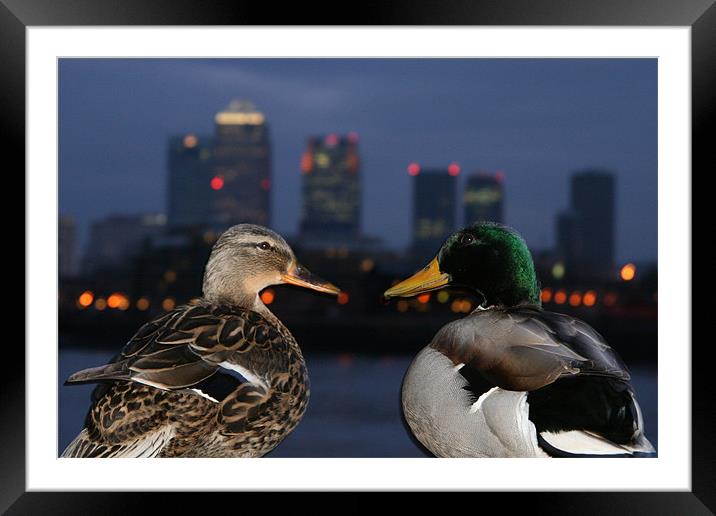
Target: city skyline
(612, 102)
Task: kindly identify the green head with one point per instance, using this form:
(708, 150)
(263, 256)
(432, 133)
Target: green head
(486, 257)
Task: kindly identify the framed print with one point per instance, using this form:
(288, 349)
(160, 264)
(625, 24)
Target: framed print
(365, 149)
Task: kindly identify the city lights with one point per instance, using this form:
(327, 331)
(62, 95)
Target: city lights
(266, 184)
(367, 265)
(142, 303)
(610, 299)
(268, 296)
(168, 304)
(402, 306)
(590, 298)
(170, 276)
(546, 295)
(575, 298)
(190, 141)
(424, 298)
(217, 183)
(443, 297)
(343, 298)
(558, 270)
(114, 300)
(628, 272)
(560, 297)
(413, 169)
(86, 299)
(454, 169)
(100, 304)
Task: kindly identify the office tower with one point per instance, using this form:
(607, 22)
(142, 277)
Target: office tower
(189, 181)
(240, 168)
(114, 240)
(483, 198)
(434, 193)
(66, 246)
(331, 189)
(586, 230)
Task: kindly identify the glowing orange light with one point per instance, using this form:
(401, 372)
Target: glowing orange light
(413, 169)
(590, 297)
(628, 272)
(343, 298)
(560, 297)
(86, 298)
(267, 296)
(402, 305)
(575, 299)
(168, 304)
(217, 183)
(100, 304)
(424, 298)
(142, 303)
(114, 300)
(546, 295)
(610, 299)
(190, 141)
(454, 169)
(266, 184)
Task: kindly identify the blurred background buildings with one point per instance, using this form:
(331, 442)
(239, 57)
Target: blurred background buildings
(510, 141)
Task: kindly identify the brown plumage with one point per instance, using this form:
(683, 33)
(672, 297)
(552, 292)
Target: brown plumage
(208, 379)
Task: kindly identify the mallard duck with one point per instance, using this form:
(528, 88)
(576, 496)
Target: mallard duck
(512, 379)
(219, 377)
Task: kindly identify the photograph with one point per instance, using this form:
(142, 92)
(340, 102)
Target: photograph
(358, 257)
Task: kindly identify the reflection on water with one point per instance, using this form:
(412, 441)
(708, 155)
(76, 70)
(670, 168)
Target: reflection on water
(354, 409)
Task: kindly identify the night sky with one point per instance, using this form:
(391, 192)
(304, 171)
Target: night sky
(537, 120)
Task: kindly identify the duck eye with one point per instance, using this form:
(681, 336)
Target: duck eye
(467, 238)
(264, 246)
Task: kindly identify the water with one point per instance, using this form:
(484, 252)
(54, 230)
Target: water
(354, 409)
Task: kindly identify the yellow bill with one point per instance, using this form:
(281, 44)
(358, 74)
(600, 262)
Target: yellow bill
(429, 278)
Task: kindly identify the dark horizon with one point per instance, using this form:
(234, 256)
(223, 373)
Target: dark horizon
(538, 120)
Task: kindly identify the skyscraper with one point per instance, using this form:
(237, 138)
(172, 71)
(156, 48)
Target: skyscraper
(586, 231)
(240, 170)
(483, 198)
(434, 192)
(189, 188)
(331, 188)
(115, 239)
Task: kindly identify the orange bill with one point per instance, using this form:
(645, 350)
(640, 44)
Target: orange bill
(302, 277)
(429, 278)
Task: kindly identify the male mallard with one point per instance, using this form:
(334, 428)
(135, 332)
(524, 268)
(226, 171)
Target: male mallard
(219, 377)
(511, 379)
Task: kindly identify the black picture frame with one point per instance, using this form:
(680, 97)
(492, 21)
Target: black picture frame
(700, 15)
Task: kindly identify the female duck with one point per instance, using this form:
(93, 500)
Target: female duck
(511, 379)
(220, 377)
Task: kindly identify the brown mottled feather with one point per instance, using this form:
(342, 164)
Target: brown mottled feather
(151, 400)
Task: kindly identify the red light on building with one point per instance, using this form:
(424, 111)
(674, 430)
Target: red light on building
(424, 298)
(307, 163)
(575, 299)
(499, 176)
(454, 169)
(217, 183)
(331, 140)
(353, 137)
(413, 169)
(266, 184)
(343, 298)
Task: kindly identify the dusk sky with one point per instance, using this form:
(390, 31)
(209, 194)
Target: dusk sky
(538, 120)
